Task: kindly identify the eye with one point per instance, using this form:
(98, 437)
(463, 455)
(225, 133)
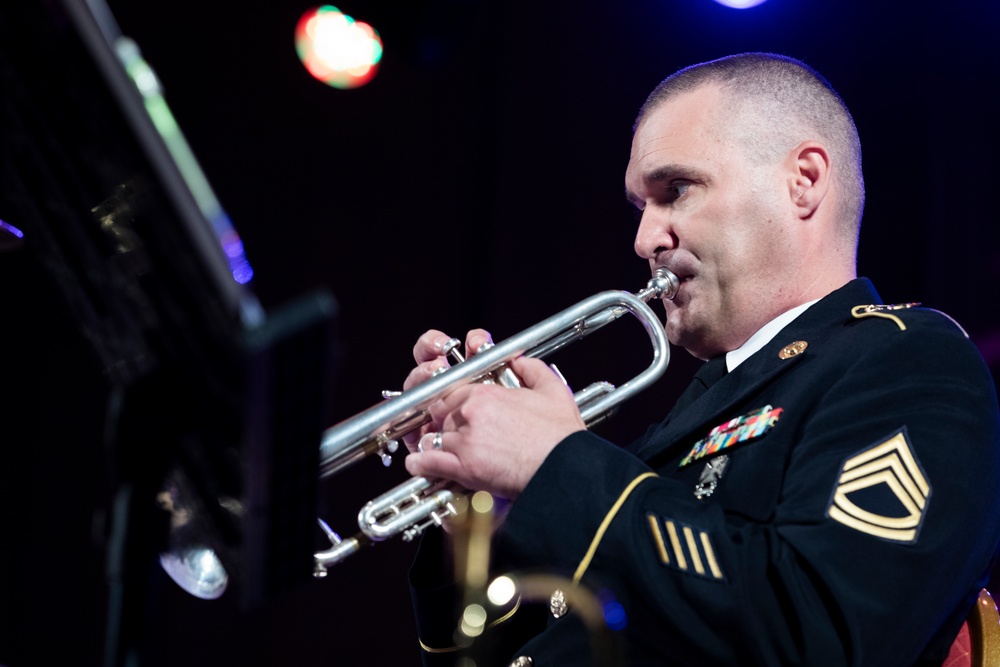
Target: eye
(675, 190)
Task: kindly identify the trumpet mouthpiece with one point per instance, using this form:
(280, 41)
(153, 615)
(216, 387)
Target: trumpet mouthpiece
(663, 285)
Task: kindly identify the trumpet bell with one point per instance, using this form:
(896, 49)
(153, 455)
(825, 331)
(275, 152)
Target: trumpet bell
(197, 570)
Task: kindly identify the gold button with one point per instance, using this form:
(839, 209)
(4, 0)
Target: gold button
(793, 349)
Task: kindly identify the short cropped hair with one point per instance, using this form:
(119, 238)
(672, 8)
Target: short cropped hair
(777, 102)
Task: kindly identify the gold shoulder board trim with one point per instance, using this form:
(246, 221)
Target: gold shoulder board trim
(882, 310)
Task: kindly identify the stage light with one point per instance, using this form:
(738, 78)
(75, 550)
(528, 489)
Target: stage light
(10, 236)
(336, 49)
(740, 4)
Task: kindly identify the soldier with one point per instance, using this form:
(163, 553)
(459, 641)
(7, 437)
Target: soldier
(821, 495)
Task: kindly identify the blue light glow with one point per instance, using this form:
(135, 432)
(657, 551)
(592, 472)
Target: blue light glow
(740, 4)
(614, 615)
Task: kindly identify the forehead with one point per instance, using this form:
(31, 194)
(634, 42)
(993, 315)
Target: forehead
(683, 130)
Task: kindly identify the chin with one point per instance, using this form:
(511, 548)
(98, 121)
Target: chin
(697, 342)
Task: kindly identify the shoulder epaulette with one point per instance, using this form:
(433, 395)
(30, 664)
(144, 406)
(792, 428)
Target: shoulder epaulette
(885, 311)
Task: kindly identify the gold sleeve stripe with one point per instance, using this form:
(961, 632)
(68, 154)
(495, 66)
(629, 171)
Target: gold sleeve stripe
(713, 564)
(654, 525)
(693, 550)
(678, 549)
(589, 556)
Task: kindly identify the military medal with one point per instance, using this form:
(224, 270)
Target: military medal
(735, 431)
(749, 426)
(710, 476)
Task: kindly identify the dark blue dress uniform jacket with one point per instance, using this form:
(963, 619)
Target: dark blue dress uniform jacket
(856, 518)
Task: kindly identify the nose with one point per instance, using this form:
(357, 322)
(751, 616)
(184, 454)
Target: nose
(655, 234)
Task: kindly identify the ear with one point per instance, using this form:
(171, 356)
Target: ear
(809, 177)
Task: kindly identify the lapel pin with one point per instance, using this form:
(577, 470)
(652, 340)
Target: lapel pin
(793, 349)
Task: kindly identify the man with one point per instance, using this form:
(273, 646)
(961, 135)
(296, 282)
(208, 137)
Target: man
(829, 500)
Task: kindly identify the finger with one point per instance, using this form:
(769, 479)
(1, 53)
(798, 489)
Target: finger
(436, 464)
(433, 440)
(424, 371)
(413, 438)
(428, 346)
(475, 339)
(446, 411)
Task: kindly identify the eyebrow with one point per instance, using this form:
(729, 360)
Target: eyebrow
(666, 173)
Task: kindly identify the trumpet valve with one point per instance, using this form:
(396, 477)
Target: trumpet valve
(436, 518)
(386, 453)
(453, 349)
(387, 449)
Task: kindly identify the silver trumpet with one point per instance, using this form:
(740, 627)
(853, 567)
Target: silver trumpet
(418, 503)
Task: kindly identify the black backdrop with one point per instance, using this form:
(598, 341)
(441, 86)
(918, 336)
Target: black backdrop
(477, 181)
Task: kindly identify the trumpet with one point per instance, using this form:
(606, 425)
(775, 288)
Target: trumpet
(419, 503)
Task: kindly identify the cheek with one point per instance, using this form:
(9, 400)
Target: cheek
(749, 242)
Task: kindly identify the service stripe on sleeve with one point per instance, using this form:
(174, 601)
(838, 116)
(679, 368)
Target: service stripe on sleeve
(686, 549)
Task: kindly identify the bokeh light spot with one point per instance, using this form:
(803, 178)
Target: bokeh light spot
(336, 49)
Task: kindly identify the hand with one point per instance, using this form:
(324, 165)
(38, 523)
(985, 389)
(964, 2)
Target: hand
(494, 438)
(430, 359)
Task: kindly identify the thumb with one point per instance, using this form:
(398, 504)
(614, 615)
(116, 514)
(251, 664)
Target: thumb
(536, 374)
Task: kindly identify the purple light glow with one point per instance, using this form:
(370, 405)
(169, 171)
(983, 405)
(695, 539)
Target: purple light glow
(11, 229)
(232, 246)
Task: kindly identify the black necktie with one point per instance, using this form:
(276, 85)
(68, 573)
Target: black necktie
(711, 372)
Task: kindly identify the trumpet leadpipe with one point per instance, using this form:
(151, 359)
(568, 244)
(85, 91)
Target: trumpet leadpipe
(371, 430)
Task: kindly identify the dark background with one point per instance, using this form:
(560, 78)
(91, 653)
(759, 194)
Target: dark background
(477, 181)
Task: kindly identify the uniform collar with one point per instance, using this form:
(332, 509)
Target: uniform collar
(812, 325)
(764, 335)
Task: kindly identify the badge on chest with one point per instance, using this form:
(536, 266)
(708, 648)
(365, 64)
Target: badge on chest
(724, 436)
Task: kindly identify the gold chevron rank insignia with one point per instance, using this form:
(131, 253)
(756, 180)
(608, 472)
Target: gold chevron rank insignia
(882, 491)
(683, 547)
